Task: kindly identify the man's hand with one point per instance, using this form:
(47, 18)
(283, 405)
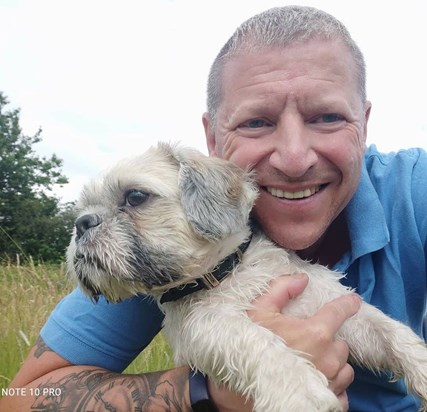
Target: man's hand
(313, 336)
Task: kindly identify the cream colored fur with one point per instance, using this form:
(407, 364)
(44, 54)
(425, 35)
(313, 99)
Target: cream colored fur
(195, 214)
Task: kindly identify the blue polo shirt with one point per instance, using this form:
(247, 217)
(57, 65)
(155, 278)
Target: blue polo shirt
(387, 222)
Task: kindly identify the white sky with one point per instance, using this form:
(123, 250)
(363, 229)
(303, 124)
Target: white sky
(107, 79)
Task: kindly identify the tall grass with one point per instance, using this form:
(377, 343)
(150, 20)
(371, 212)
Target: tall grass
(28, 293)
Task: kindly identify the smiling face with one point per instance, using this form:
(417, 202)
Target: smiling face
(295, 116)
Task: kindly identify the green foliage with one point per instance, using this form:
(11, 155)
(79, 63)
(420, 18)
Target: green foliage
(28, 293)
(32, 220)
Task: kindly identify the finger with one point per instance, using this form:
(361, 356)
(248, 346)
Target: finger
(343, 398)
(334, 313)
(342, 352)
(333, 359)
(343, 380)
(280, 291)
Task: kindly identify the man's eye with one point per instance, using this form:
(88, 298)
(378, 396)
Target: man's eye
(329, 118)
(256, 124)
(136, 197)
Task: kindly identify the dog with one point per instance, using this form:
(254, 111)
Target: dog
(175, 224)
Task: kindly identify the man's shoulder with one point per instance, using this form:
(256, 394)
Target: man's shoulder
(402, 168)
(400, 182)
(376, 160)
(102, 334)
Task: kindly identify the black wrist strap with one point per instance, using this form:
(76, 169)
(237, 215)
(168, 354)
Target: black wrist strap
(199, 396)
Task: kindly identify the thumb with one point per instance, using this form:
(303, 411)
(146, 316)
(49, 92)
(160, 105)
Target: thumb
(281, 291)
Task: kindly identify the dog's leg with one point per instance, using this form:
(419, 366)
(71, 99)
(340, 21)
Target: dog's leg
(379, 342)
(252, 360)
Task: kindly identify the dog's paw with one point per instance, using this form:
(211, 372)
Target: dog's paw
(416, 381)
(310, 396)
(314, 394)
(323, 400)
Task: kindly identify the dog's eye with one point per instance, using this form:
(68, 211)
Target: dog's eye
(135, 198)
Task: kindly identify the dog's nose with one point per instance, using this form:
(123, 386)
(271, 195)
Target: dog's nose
(85, 222)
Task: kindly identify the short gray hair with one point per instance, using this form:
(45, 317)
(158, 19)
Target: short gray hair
(280, 27)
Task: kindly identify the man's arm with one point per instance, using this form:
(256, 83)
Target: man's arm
(87, 387)
(48, 382)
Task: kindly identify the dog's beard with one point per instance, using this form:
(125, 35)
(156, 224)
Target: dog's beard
(112, 260)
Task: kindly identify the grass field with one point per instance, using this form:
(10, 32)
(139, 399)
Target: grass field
(27, 296)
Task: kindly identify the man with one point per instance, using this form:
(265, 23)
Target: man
(286, 96)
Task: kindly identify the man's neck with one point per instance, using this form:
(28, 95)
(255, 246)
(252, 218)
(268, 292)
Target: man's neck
(329, 249)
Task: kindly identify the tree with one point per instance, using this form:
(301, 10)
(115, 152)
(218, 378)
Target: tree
(32, 220)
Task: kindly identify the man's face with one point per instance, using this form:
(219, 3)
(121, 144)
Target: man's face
(294, 116)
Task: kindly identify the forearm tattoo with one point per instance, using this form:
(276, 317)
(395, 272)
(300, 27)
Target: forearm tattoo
(101, 390)
(40, 348)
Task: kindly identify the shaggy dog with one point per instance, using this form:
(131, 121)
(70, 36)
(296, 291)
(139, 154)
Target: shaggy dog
(174, 224)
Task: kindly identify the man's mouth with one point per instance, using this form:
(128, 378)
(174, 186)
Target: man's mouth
(300, 194)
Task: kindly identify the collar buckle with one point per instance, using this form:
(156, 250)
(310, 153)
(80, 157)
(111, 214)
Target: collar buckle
(210, 281)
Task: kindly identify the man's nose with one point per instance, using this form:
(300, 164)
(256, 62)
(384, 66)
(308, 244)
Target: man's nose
(293, 152)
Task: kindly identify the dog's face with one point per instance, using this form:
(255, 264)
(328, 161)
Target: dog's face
(157, 221)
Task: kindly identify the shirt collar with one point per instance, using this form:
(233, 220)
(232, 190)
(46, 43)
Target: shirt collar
(366, 220)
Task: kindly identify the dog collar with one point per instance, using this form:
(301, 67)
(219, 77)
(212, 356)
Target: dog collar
(208, 280)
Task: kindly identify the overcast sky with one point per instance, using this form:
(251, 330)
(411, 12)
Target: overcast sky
(107, 79)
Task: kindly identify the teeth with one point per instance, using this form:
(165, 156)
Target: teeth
(301, 194)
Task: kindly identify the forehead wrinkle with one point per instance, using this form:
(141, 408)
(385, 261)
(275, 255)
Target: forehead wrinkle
(273, 101)
(257, 105)
(286, 78)
(274, 95)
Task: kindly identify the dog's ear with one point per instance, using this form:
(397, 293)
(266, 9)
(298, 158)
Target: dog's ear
(216, 195)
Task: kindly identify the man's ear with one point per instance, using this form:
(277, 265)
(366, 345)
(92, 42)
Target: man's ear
(216, 195)
(210, 135)
(367, 111)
